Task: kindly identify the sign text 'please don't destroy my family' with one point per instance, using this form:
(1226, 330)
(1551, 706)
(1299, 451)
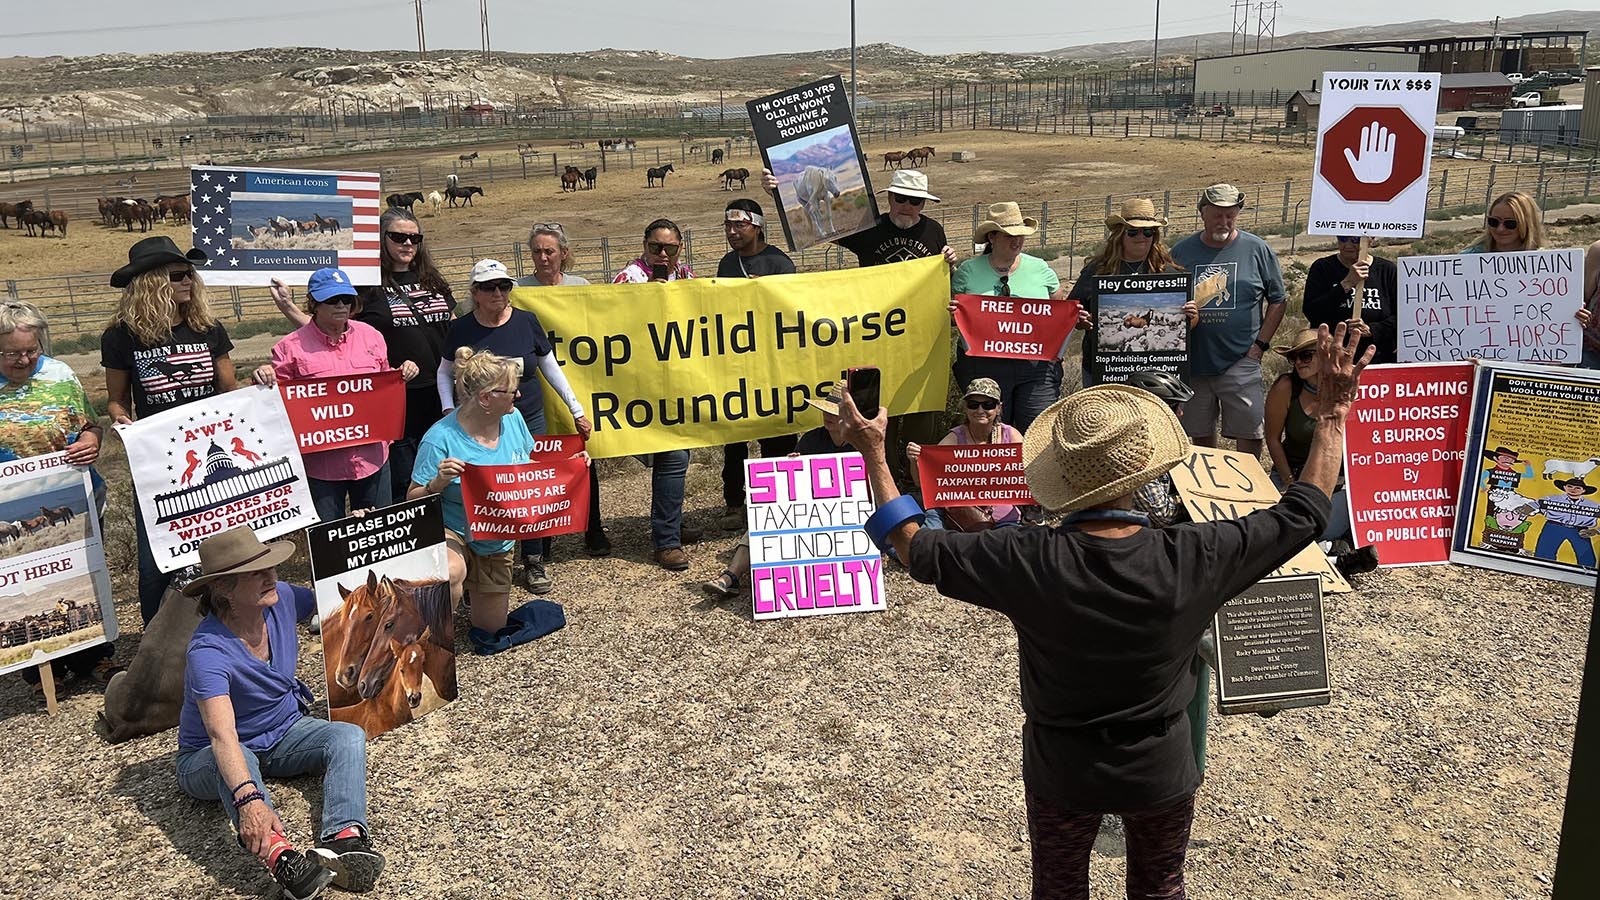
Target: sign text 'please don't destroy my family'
(808, 552)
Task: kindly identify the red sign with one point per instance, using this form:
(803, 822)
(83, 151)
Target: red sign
(345, 410)
(1014, 327)
(1365, 133)
(972, 475)
(1404, 446)
(546, 496)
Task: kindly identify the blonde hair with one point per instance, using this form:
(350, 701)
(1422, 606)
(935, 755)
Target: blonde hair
(480, 370)
(147, 308)
(25, 317)
(1530, 221)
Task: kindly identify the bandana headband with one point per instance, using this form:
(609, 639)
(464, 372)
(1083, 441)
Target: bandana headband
(742, 215)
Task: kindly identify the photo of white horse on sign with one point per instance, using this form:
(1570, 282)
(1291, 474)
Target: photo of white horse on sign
(822, 188)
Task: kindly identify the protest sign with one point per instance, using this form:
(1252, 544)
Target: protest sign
(1014, 328)
(55, 591)
(1404, 445)
(809, 555)
(1272, 647)
(208, 466)
(1225, 484)
(808, 140)
(1374, 143)
(345, 410)
(261, 224)
(972, 475)
(388, 634)
(547, 496)
(1514, 307)
(1138, 326)
(710, 361)
(1528, 486)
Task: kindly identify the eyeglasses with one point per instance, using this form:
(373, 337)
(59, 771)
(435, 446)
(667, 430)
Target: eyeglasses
(1005, 286)
(180, 275)
(404, 237)
(500, 285)
(910, 201)
(1507, 224)
(990, 405)
(668, 249)
(1300, 356)
(339, 300)
(1142, 232)
(12, 356)
(549, 226)
(1347, 239)
(512, 391)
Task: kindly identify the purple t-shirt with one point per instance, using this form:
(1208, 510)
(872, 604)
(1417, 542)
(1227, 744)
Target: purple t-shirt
(266, 695)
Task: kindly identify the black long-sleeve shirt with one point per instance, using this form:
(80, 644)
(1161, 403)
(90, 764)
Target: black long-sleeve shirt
(1328, 303)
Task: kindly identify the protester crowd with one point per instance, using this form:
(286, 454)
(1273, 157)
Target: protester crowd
(1101, 737)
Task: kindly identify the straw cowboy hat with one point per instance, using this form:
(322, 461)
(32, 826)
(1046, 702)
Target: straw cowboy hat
(830, 403)
(1138, 212)
(1099, 444)
(1006, 217)
(1306, 338)
(909, 183)
(152, 253)
(234, 552)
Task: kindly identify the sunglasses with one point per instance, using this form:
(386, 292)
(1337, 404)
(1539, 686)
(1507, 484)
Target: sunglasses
(180, 275)
(404, 237)
(549, 226)
(1301, 356)
(912, 201)
(1508, 224)
(502, 285)
(339, 300)
(1005, 286)
(983, 404)
(1142, 232)
(668, 249)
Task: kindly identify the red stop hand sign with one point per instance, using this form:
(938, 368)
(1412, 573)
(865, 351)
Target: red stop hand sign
(1365, 140)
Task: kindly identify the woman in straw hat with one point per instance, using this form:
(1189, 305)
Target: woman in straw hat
(1133, 247)
(1108, 611)
(244, 717)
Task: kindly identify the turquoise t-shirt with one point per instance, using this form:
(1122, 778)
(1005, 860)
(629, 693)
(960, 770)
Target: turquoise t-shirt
(446, 440)
(1230, 323)
(1031, 278)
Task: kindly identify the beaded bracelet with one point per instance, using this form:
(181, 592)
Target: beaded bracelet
(249, 798)
(890, 516)
(235, 789)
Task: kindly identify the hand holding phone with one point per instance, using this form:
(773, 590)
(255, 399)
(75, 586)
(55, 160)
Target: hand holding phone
(863, 384)
(658, 272)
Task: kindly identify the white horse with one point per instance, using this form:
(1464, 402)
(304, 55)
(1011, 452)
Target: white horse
(815, 189)
(435, 200)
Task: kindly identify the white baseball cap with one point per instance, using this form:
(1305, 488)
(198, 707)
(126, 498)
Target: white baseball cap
(489, 270)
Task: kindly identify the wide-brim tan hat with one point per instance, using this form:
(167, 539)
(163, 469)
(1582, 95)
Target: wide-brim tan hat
(1138, 212)
(1006, 217)
(830, 403)
(1100, 444)
(235, 551)
(1306, 338)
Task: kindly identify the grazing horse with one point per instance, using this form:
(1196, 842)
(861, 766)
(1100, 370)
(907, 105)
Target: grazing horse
(468, 158)
(1133, 321)
(716, 157)
(417, 607)
(327, 223)
(403, 201)
(893, 158)
(435, 200)
(9, 210)
(463, 193)
(815, 189)
(729, 176)
(920, 155)
(589, 175)
(58, 514)
(570, 179)
(651, 176)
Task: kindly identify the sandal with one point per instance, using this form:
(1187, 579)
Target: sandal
(724, 585)
(104, 670)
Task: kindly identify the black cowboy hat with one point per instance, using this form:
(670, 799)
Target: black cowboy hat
(1587, 487)
(1502, 451)
(151, 253)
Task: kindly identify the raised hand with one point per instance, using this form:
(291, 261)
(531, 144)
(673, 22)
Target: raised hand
(1375, 161)
(1338, 370)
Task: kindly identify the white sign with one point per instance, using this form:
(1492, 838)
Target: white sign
(204, 467)
(1374, 142)
(1513, 307)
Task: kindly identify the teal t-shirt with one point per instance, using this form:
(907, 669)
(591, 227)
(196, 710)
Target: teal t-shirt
(1230, 323)
(446, 440)
(1031, 278)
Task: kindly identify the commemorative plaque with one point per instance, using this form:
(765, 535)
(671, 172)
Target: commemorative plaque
(1272, 647)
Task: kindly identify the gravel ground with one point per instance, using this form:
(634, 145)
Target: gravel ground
(663, 745)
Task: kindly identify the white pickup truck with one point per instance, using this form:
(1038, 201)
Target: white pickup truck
(1525, 101)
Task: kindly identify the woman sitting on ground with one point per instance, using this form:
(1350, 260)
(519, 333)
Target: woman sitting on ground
(983, 426)
(244, 717)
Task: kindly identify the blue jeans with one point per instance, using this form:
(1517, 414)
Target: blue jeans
(666, 496)
(152, 581)
(371, 492)
(1027, 386)
(336, 749)
(1554, 534)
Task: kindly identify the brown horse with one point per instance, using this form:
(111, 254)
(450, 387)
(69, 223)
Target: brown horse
(9, 210)
(57, 515)
(402, 693)
(35, 524)
(417, 606)
(347, 638)
(1133, 321)
(570, 179)
(893, 158)
(729, 176)
(920, 155)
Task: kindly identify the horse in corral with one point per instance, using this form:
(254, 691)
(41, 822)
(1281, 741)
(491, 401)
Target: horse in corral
(37, 221)
(716, 157)
(417, 607)
(403, 201)
(108, 209)
(893, 158)
(570, 179)
(919, 155)
(589, 176)
(58, 220)
(57, 514)
(435, 200)
(815, 189)
(468, 158)
(651, 176)
(463, 193)
(729, 176)
(326, 223)
(9, 210)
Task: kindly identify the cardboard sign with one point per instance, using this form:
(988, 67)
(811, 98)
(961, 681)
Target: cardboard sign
(1014, 328)
(1529, 486)
(808, 140)
(1404, 444)
(1138, 326)
(809, 555)
(345, 410)
(1514, 307)
(211, 465)
(388, 636)
(547, 496)
(972, 475)
(1225, 484)
(1374, 144)
(260, 224)
(1272, 647)
(55, 590)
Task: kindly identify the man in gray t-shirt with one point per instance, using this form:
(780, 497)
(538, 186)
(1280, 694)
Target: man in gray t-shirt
(1236, 327)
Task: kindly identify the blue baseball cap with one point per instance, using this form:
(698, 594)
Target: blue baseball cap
(325, 284)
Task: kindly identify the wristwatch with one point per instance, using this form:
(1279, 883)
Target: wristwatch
(1263, 345)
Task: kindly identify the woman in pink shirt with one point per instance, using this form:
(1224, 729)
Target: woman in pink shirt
(333, 343)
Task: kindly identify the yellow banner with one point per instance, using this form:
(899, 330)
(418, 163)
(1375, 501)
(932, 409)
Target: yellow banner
(712, 361)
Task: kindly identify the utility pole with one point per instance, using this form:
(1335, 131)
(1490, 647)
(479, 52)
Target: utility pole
(422, 34)
(852, 58)
(1265, 25)
(1155, 46)
(1239, 42)
(483, 27)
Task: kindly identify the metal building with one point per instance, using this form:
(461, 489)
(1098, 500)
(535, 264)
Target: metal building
(1589, 122)
(1287, 71)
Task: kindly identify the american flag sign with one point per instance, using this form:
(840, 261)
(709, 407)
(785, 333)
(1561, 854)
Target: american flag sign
(260, 224)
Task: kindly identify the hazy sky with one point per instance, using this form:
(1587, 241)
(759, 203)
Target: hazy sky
(687, 27)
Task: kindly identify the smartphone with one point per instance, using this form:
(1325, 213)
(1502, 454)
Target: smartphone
(658, 273)
(863, 384)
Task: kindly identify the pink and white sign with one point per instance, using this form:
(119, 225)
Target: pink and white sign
(809, 555)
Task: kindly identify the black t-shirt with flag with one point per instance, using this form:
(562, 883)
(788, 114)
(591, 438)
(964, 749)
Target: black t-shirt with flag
(162, 376)
(413, 321)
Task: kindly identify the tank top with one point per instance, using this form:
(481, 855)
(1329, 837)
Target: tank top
(1297, 430)
(1007, 435)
